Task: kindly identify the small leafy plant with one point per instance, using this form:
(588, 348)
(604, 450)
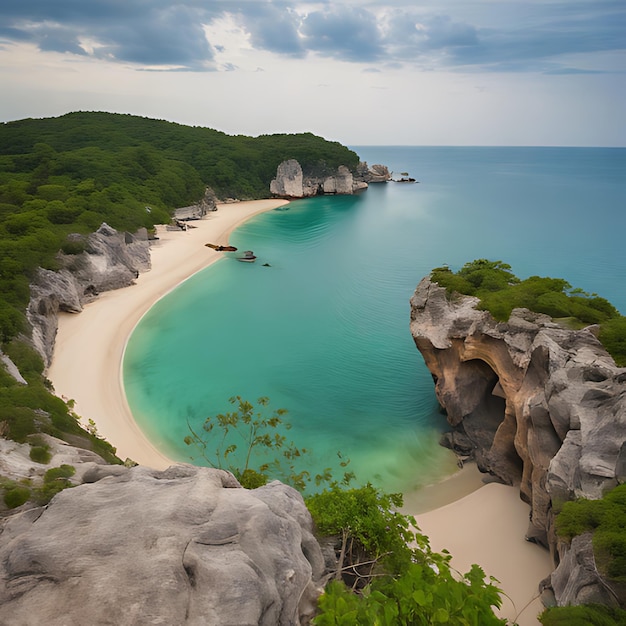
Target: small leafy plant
(247, 437)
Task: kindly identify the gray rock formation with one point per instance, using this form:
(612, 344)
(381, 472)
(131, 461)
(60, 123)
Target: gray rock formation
(374, 174)
(11, 369)
(539, 406)
(198, 211)
(110, 260)
(183, 546)
(291, 182)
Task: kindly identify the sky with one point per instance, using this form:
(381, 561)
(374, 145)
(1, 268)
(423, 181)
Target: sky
(389, 72)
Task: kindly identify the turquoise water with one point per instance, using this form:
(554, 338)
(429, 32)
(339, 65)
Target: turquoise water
(324, 330)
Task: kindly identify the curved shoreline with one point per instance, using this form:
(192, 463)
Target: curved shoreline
(99, 334)
(485, 527)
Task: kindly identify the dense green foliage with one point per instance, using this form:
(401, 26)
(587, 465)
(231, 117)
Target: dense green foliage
(389, 574)
(606, 518)
(386, 573)
(586, 615)
(55, 479)
(29, 409)
(368, 528)
(69, 174)
(500, 291)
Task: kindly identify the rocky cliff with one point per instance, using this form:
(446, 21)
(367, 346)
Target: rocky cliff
(183, 546)
(291, 182)
(108, 260)
(538, 406)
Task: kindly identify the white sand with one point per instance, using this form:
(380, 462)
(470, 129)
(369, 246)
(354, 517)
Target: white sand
(86, 365)
(486, 527)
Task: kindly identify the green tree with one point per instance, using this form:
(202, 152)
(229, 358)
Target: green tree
(239, 439)
(393, 577)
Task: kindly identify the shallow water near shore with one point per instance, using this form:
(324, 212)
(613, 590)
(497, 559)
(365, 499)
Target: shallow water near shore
(323, 330)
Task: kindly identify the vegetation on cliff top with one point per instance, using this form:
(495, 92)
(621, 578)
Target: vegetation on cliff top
(69, 174)
(500, 291)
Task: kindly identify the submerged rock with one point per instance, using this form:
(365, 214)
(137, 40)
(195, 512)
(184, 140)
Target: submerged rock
(184, 546)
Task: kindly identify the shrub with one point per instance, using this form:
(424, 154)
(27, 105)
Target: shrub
(40, 454)
(16, 496)
(585, 615)
(613, 337)
(500, 292)
(606, 518)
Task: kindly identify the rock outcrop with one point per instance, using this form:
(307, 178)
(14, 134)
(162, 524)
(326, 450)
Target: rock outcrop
(537, 405)
(183, 546)
(291, 182)
(198, 211)
(109, 260)
(375, 174)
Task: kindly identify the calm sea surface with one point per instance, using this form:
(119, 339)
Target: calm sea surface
(324, 330)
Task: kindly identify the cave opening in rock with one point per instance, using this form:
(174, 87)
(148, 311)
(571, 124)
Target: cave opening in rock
(487, 415)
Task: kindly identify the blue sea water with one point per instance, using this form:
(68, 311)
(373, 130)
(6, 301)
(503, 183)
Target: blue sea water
(323, 331)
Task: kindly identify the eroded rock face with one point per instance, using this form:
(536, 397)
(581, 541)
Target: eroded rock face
(539, 406)
(376, 173)
(183, 546)
(291, 182)
(110, 260)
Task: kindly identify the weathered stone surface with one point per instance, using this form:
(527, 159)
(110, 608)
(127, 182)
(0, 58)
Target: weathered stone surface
(198, 211)
(111, 260)
(291, 182)
(183, 546)
(543, 407)
(11, 368)
(576, 580)
(375, 174)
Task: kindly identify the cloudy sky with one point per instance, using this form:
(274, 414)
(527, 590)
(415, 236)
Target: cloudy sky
(429, 72)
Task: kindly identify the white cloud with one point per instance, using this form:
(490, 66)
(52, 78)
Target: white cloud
(449, 72)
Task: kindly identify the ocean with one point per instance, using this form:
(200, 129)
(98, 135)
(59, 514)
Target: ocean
(320, 323)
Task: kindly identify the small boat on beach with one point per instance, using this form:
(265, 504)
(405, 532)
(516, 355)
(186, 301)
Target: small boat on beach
(248, 257)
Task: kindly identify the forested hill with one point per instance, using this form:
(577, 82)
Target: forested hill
(71, 173)
(114, 148)
(68, 175)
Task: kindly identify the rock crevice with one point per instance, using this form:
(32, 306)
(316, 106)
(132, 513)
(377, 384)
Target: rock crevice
(538, 406)
(109, 260)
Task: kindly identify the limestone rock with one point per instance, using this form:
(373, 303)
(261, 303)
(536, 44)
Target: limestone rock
(183, 546)
(375, 174)
(110, 260)
(576, 581)
(543, 407)
(291, 182)
(198, 211)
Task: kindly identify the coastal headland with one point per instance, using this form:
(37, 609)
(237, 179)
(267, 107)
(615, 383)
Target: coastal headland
(477, 525)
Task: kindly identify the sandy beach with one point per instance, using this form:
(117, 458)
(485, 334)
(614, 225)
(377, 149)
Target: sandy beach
(86, 366)
(486, 526)
(477, 523)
